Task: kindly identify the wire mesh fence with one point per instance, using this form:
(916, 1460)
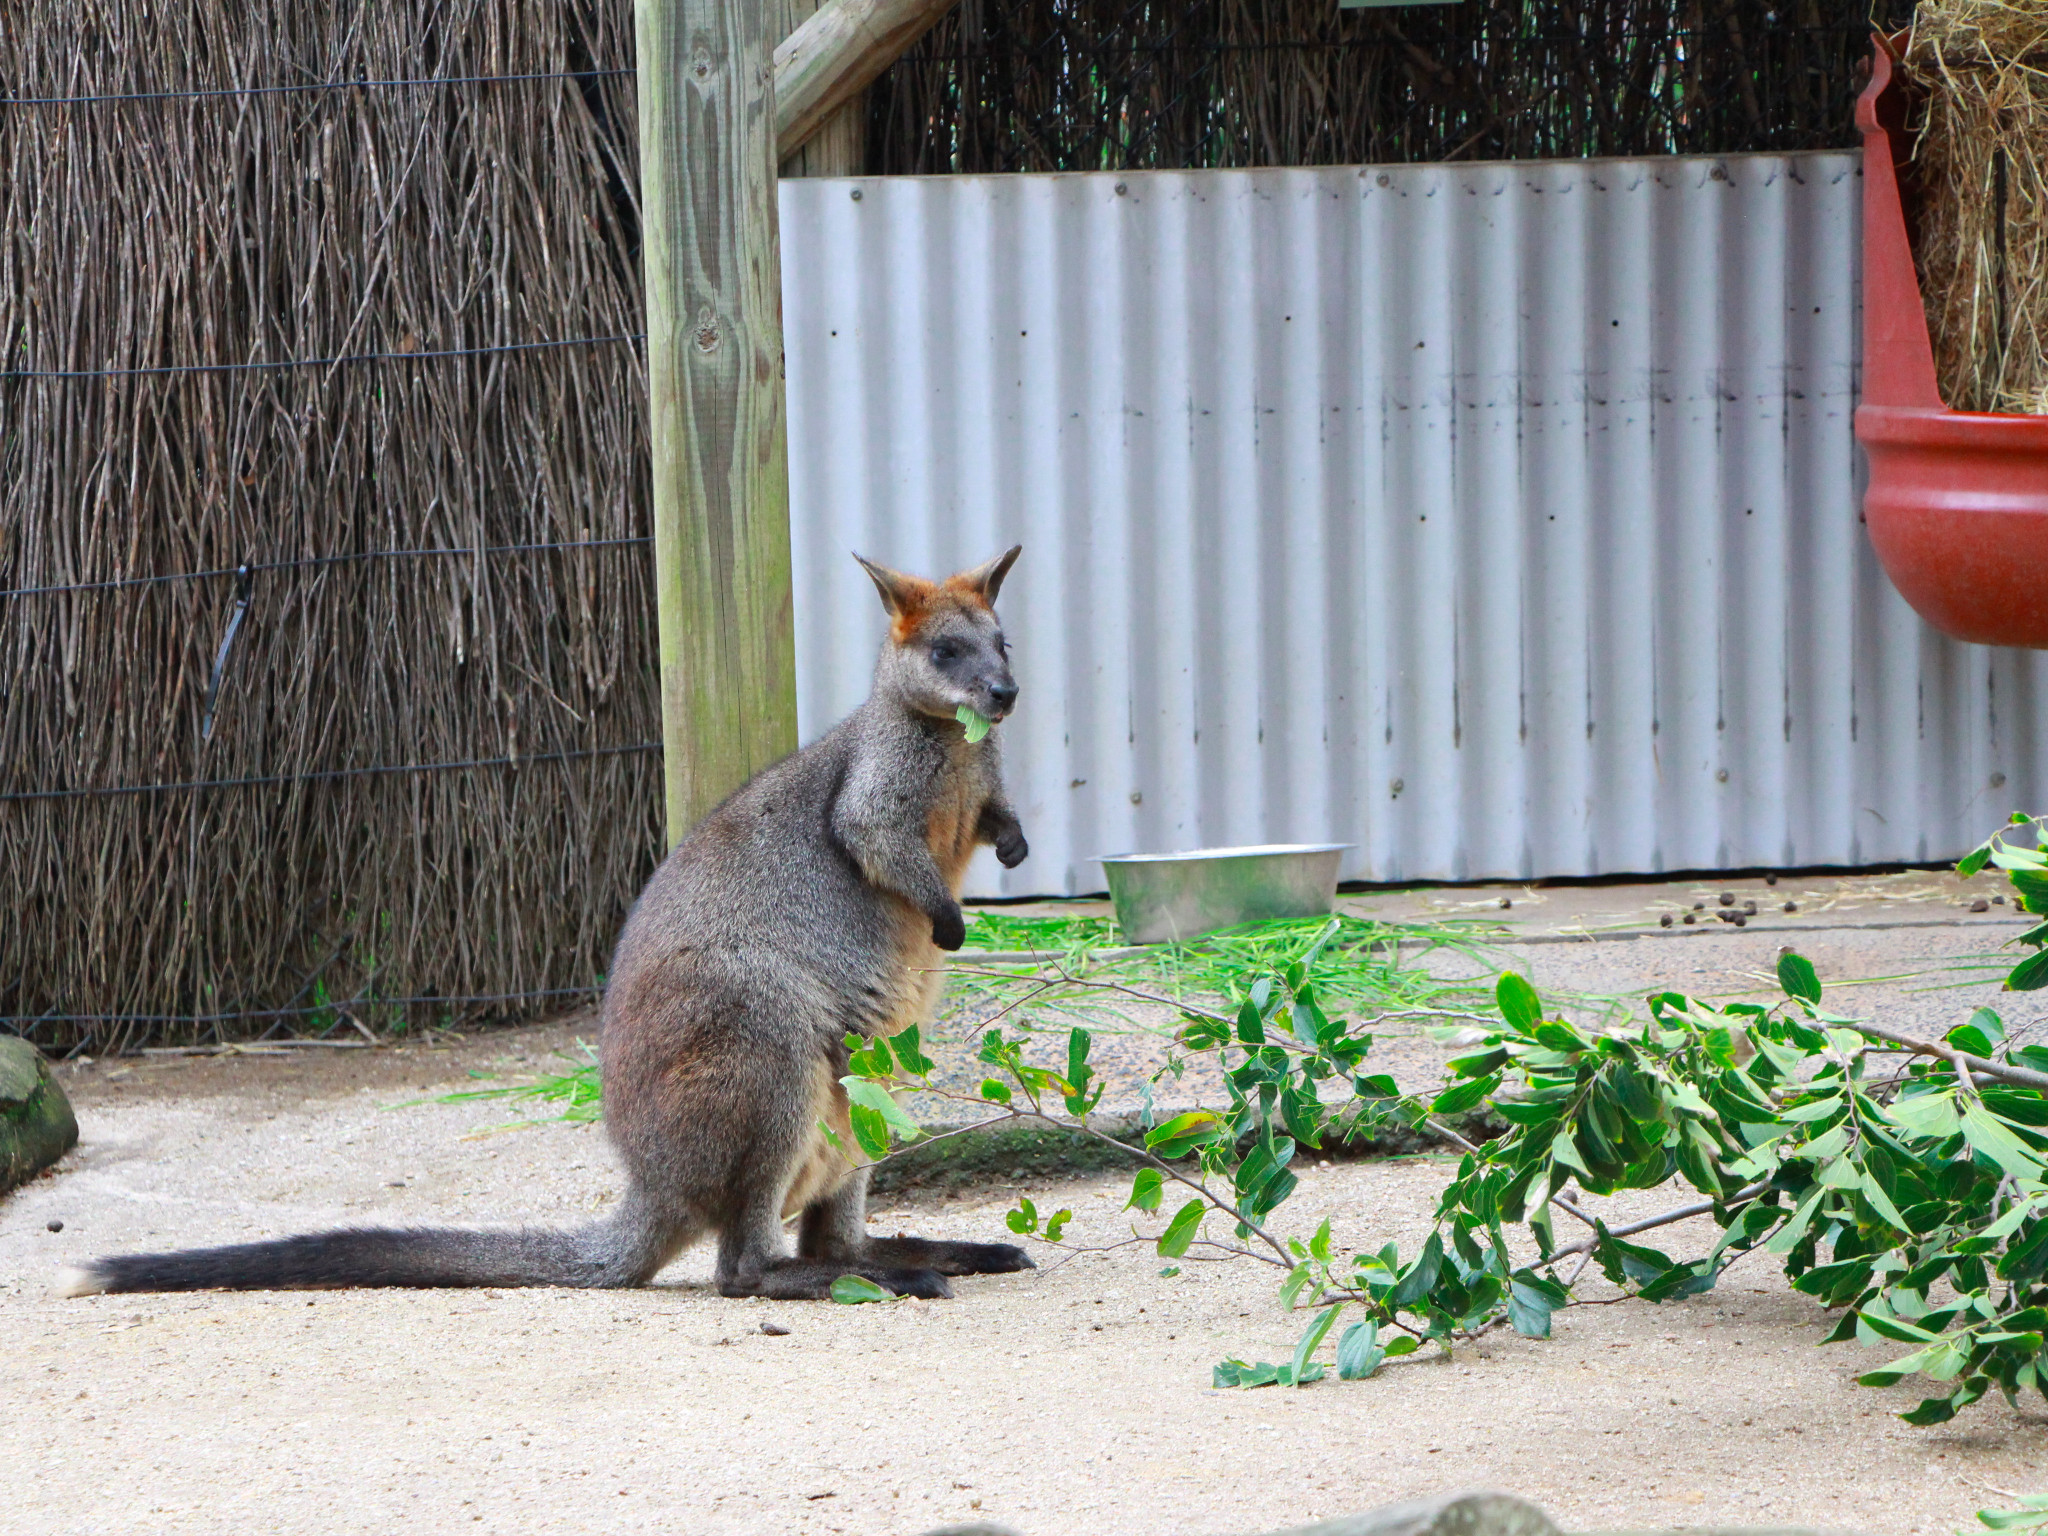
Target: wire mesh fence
(1081, 85)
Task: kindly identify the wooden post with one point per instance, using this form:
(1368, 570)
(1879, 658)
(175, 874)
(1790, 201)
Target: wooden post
(839, 147)
(835, 54)
(715, 396)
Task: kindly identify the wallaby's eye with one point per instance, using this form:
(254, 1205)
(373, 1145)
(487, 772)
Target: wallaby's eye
(944, 652)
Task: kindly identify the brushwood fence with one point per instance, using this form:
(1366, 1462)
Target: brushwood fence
(325, 611)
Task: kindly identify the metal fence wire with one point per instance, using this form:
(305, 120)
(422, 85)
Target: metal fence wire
(1083, 85)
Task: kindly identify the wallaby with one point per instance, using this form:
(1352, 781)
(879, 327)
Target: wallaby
(809, 905)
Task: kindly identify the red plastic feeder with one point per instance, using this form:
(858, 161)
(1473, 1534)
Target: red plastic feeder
(1958, 500)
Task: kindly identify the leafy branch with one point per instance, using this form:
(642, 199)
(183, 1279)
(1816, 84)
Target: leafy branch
(1901, 1181)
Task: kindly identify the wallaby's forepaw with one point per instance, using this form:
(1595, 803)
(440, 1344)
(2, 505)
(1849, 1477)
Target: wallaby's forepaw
(949, 927)
(1011, 848)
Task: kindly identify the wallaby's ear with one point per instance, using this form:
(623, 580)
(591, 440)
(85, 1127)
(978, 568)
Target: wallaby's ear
(899, 592)
(984, 581)
(908, 598)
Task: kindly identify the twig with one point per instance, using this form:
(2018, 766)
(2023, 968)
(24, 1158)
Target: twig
(1281, 1257)
(1681, 1213)
(1962, 1061)
(1450, 1135)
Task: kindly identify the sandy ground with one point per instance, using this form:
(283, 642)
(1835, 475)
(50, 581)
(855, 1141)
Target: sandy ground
(1071, 1399)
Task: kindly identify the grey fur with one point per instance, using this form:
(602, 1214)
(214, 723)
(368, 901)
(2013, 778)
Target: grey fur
(810, 904)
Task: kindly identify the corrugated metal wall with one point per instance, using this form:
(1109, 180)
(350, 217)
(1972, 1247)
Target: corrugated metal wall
(1499, 519)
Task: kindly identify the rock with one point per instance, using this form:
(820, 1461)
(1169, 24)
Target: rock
(36, 1123)
(1475, 1512)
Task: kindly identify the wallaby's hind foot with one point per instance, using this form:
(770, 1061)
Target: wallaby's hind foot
(811, 1280)
(948, 1258)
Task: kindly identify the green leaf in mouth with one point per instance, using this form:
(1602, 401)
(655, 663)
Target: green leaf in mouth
(977, 723)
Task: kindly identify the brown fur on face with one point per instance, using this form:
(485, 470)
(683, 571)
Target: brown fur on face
(913, 601)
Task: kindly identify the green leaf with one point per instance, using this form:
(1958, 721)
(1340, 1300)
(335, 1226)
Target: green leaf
(1358, 1352)
(995, 1092)
(1056, 1224)
(1681, 1280)
(869, 1058)
(1477, 1065)
(1420, 1278)
(1798, 977)
(1404, 1345)
(1182, 1132)
(977, 723)
(2030, 975)
(2032, 885)
(1529, 1310)
(1180, 1232)
(1973, 861)
(1146, 1188)
(1024, 1218)
(1927, 1114)
(870, 1130)
(910, 1053)
(1169, 1272)
(1560, 1036)
(877, 1098)
(1319, 1245)
(852, 1290)
(1989, 1135)
(1518, 1001)
(1620, 1260)
(1462, 1097)
(1934, 1410)
(1079, 1072)
(1251, 1027)
(1312, 1340)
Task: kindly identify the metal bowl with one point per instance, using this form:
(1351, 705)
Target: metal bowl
(1162, 896)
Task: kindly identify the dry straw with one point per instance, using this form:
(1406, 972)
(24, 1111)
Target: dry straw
(263, 228)
(1981, 172)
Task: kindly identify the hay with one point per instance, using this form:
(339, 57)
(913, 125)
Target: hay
(271, 227)
(1980, 68)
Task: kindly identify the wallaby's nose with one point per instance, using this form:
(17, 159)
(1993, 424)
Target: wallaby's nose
(1003, 695)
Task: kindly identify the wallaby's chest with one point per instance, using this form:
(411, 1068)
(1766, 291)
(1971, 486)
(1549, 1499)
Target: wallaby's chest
(953, 820)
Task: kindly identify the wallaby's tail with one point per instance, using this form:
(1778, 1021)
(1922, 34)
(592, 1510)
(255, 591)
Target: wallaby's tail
(623, 1249)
